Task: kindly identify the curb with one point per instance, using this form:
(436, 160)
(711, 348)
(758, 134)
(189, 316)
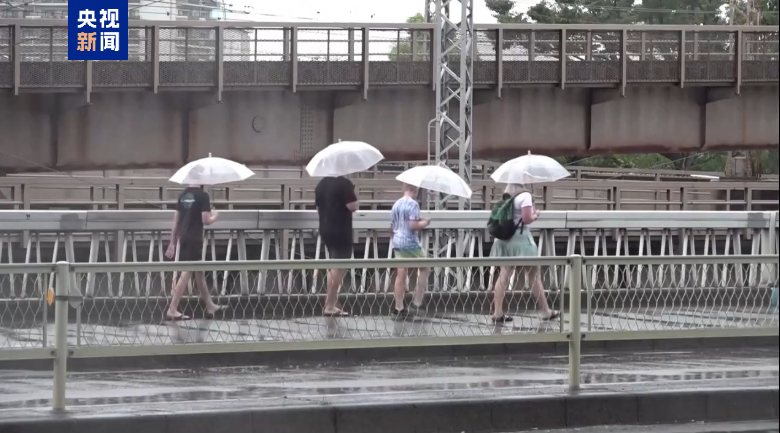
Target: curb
(387, 354)
(468, 416)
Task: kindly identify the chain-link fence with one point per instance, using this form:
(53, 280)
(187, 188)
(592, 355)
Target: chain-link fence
(658, 294)
(129, 304)
(623, 298)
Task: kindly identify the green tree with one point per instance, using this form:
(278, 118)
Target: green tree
(416, 46)
(692, 12)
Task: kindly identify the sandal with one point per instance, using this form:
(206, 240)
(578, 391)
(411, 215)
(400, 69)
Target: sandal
(216, 310)
(337, 313)
(553, 315)
(503, 319)
(178, 317)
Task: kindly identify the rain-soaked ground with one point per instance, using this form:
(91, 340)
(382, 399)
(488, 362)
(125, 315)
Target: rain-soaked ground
(28, 394)
(155, 332)
(738, 427)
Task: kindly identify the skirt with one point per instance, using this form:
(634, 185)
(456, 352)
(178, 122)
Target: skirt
(519, 245)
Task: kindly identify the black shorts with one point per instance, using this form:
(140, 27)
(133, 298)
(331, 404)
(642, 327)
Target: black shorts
(339, 251)
(190, 250)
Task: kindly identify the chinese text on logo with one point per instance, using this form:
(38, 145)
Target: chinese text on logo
(97, 30)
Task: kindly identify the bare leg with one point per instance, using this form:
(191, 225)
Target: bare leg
(500, 290)
(422, 286)
(538, 291)
(399, 288)
(200, 281)
(177, 292)
(335, 277)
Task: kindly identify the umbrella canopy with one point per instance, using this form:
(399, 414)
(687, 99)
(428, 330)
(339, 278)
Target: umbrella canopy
(436, 178)
(343, 158)
(211, 171)
(529, 169)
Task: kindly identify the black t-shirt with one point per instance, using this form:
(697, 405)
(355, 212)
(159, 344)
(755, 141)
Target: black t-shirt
(331, 197)
(191, 204)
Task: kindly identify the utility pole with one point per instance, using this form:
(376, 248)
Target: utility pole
(450, 131)
(740, 163)
(453, 41)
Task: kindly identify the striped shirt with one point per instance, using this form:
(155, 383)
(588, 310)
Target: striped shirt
(404, 238)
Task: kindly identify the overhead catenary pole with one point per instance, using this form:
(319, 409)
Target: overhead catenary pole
(453, 54)
(741, 163)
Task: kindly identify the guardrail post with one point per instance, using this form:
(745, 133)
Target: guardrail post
(738, 62)
(61, 335)
(499, 62)
(16, 53)
(220, 59)
(366, 56)
(575, 330)
(294, 58)
(155, 58)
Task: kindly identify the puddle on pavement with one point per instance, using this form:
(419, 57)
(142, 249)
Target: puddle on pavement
(279, 390)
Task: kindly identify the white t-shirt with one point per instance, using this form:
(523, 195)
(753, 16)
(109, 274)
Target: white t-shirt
(522, 200)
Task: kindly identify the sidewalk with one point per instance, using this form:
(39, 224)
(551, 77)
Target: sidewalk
(416, 395)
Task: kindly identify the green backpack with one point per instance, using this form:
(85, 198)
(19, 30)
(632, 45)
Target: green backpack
(501, 224)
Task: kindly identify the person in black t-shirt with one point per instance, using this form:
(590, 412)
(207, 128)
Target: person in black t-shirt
(336, 201)
(193, 211)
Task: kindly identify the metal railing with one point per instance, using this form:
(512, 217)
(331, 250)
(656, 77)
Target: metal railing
(141, 237)
(238, 55)
(43, 192)
(730, 297)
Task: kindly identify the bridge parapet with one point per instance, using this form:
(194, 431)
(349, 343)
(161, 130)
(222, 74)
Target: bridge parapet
(79, 193)
(235, 55)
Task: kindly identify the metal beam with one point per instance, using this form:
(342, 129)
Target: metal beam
(454, 31)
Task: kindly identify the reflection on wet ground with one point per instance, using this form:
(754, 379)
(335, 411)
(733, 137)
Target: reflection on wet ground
(244, 387)
(728, 427)
(373, 327)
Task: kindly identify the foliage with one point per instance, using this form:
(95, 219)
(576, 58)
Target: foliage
(416, 46)
(694, 12)
(413, 47)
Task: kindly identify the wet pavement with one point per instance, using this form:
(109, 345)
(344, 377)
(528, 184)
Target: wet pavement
(132, 332)
(28, 394)
(739, 427)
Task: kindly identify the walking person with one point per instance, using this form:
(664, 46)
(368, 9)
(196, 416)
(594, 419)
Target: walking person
(336, 202)
(406, 222)
(193, 212)
(521, 244)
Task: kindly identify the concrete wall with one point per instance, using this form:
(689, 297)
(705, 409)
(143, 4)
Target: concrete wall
(121, 130)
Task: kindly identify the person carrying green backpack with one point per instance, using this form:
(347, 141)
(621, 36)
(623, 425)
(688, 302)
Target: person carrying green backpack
(507, 224)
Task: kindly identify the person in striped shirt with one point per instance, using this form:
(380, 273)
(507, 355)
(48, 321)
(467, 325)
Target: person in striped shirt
(406, 222)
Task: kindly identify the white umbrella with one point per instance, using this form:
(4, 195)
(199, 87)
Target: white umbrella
(343, 158)
(436, 178)
(529, 169)
(211, 171)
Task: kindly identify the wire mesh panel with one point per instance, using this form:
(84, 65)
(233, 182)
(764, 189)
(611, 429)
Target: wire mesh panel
(760, 57)
(485, 66)
(398, 56)
(257, 57)
(26, 318)
(6, 51)
(653, 57)
(634, 296)
(709, 57)
(136, 71)
(330, 56)
(44, 59)
(593, 57)
(188, 56)
(291, 309)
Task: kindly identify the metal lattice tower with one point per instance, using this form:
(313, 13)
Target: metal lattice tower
(453, 55)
